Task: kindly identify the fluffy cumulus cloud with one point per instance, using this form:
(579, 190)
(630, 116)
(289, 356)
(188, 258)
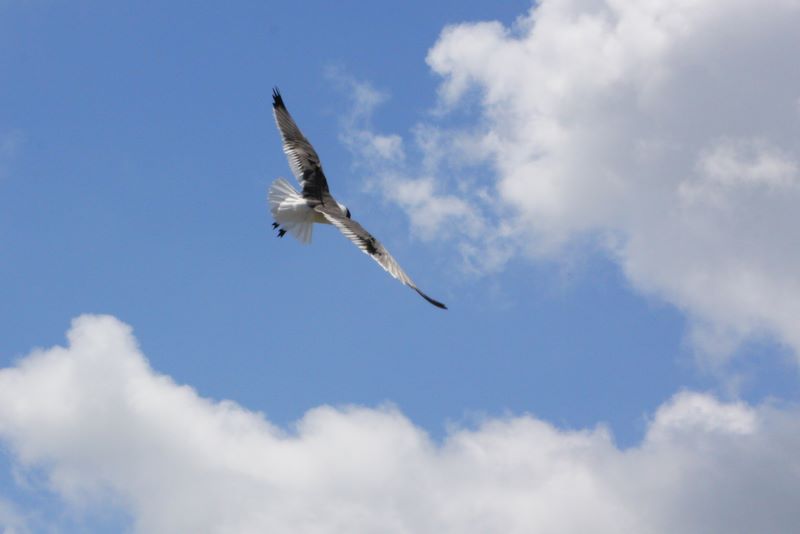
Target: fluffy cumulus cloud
(95, 424)
(668, 131)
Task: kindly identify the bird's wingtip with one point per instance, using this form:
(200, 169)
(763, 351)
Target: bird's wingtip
(277, 99)
(432, 301)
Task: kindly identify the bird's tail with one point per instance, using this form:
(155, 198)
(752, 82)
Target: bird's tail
(290, 210)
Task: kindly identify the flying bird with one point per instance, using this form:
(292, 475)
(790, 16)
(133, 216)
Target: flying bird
(296, 213)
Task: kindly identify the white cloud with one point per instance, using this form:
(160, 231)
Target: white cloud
(357, 132)
(107, 430)
(734, 164)
(665, 130)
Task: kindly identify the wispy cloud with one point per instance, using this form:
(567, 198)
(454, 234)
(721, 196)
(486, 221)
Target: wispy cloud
(358, 134)
(420, 184)
(11, 520)
(105, 429)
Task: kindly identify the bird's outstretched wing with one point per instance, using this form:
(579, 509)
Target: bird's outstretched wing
(372, 247)
(302, 157)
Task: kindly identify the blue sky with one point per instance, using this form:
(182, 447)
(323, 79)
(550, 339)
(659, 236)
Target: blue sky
(137, 145)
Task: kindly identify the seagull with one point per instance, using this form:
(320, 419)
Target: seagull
(296, 213)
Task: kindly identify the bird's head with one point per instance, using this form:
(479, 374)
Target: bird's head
(344, 209)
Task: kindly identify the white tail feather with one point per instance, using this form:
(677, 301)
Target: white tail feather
(290, 210)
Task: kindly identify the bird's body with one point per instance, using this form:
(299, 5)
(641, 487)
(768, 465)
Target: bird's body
(292, 212)
(296, 212)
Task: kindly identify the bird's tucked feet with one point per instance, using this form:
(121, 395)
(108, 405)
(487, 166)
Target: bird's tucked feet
(281, 231)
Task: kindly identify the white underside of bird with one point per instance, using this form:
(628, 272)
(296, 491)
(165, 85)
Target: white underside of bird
(291, 211)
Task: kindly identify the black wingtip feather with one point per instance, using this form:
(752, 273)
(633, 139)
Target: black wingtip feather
(432, 301)
(277, 99)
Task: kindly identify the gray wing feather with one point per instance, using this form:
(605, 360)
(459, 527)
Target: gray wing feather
(373, 248)
(303, 159)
